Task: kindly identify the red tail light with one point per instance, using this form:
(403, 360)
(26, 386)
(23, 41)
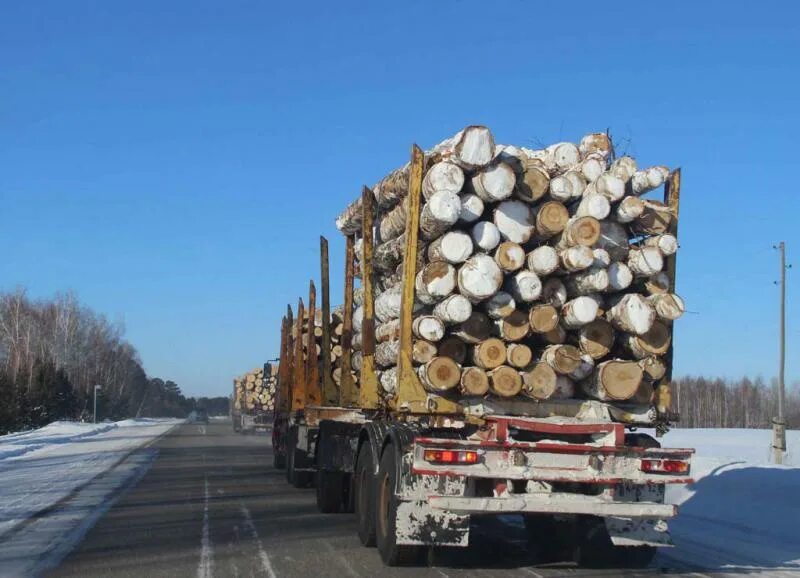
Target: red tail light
(451, 457)
(653, 466)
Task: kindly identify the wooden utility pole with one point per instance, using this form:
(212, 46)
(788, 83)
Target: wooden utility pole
(779, 423)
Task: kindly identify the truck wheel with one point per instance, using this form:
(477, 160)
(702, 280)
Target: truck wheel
(330, 492)
(596, 550)
(364, 498)
(386, 504)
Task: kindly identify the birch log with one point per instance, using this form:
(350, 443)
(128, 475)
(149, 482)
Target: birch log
(500, 305)
(578, 312)
(386, 353)
(454, 247)
(472, 148)
(554, 292)
(666, 244)
(565, 387)
(594, 205)
(453, 309)
(579, 231)
(504, 381)
(534, 183)
(584, 369)
(632, 313)
(657, 284)
(645, 261)
(543, 318)
(653, 368)
(423, 351)
(514, 221)
(475, 329)
(596, 338)
(525, 286)
(518, 355)
(560, 189)
(474, 381)
(439, 214)
(494, 183)
(586, 282)
(539, 382)
(614, 239)
(435, 281)
(489, 353)
(620, 276)
(629, 209)
(388, 380)
(485, 235)
(514, 327)
(613, 380)
(543, 260)
(623, 168)
(387, 331)
(427, 327)
(654, 220)
(479, 278)
(576, 258)
(654, 342)
(472, 208)
(668, 306)
(577, 182)
(443, 176)
(453, 348)
(555, 336)
(509, 256)
(440, 374)
(564, 359)
(551, 218)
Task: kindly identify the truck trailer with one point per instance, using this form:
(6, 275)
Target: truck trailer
(415, 464)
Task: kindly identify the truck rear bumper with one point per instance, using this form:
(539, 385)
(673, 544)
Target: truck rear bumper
(552, 504)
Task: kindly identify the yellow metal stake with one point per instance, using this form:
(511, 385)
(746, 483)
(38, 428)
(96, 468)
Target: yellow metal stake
(312, 368)
(329, 394)
(368, 381)
(346, 385)
(299, 381)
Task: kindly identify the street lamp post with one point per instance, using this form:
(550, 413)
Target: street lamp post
(94, 413)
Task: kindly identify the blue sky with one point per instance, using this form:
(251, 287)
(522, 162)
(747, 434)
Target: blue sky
(174, 162)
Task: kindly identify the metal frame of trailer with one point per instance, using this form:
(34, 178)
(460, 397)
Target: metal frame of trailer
(415, 467)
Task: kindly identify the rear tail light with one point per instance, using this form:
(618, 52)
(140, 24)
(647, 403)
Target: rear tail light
(658, 466)
(451, 456)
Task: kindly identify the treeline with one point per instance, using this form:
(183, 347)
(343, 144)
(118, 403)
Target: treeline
(52, 354)
(742, 403)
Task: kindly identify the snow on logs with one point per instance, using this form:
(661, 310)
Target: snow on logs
(540, 273)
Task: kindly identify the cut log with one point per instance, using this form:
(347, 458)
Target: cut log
(427, 327)
(494, 183)
(509, 256)
(485, 235)
(601, 258)
(586, 282)
(648, 179)
(387, 307)
(611, 187)
(667, 244)
(551, 218)
(632, 313)
(472, 208)
(514, 327)
(439, 214)
(645, 394)
(629, 209)
(594, 205)
(657, 284)
(613, 380)
(439, 374)
(525, 286)
(442, 176)
(543, 318)
(453, 309)
(475, 329)
(579, 311)
(564, 359)
(519, 355)
(453, 348)
(435, 281)
(577, 182)
(389, 254)
(358, 318)
(584, 369)
(500, 305)
(554, 292)
(623, 168)
(556, 336)
(474, 381)
(543, 260)
(563, 156)
(391, 189)
(479, 278)
(393, 224)
(472, 148)
(560, 189)
(505, 381)
(596, 143)
(596, 338)
(386, 353)
(591, 168)
(454, 247)
(645, 261)
(387, 379)
(514, 221)
(423, 351)
(653, 368)
(614, 239)
(489, 353)
(654, 342)
(534, 182)
(668, 306)
(620, 276)
(579, 231)
(539, 382)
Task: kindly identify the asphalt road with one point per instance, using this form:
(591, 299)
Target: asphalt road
(212, 505)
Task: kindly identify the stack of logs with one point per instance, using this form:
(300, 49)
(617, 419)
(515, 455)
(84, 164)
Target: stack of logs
(255, 390)
(541, 273)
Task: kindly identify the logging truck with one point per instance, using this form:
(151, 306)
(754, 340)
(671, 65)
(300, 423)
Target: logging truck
(514, 386)
(253, 400)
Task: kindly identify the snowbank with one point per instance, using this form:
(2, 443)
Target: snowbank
(39, 468)
(741, 513)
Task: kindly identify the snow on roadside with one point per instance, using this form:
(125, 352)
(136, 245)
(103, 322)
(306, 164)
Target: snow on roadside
(741, 513)
(40, 468)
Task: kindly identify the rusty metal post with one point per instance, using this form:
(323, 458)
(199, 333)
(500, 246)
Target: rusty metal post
(346, 385)
(313, 396)
(284, 369)
(299, 381)
(329, 393)
(368, 381)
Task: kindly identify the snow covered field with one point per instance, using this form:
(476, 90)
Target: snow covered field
(742, 514)
(41, 467)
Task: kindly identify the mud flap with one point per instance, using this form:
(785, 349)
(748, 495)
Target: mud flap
(638, 532)
(418, 524)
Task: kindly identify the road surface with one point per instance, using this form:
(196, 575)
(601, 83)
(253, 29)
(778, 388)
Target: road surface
(212, 505)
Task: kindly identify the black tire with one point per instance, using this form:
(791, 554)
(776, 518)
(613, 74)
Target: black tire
(278, 460)
(330, 492)
(364, 496)
(386, 504)
(594, 548)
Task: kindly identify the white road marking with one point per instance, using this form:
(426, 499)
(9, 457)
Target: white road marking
(262, 554)
(529, 571)
(203, 429)
(206, 567)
